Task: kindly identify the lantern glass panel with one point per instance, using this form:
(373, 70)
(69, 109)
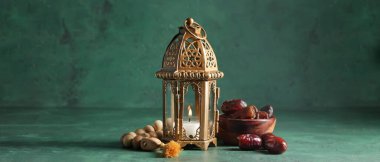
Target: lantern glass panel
(211, 109)
(191, 112)
(169, 109)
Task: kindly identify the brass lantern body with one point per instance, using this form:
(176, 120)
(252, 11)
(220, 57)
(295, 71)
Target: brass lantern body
(189, 65)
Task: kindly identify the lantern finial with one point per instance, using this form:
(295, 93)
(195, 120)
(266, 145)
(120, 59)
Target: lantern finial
(189, 21)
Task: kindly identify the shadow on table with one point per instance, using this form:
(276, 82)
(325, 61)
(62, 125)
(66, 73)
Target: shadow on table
(257, 151)
(64, 144)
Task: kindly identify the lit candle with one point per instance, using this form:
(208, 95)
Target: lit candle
(189, 125)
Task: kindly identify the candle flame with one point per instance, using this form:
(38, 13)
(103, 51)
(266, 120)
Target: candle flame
(189, 110)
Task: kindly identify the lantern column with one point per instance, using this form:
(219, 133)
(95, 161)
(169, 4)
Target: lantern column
(204, 134)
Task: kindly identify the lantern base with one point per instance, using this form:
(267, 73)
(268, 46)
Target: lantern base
(203, 145)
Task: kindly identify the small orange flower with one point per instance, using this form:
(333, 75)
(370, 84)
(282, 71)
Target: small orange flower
(171, 149)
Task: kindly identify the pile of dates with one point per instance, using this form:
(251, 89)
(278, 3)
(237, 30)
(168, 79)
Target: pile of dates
(238, 109)
(269, 142)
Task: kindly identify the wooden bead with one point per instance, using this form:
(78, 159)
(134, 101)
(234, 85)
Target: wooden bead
(148, 128)
(140, 131)
(150, 144)
(145, 135)
(136, 142)
(160, 134)
(158, 125)
(153, 134)
(132, 133)
(121, 138)
(126, 139)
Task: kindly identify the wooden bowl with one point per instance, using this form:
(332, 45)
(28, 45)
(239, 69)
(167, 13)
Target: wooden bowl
(230, 129)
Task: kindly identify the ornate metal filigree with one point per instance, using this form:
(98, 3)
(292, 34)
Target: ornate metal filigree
(191, 55)
(189, 137)
(211, 131)
(190, 75)
(174, 85)
(212, 85)
(168, 133)
(171, 56)
(210, 56)
(189, 60)
(196, 87)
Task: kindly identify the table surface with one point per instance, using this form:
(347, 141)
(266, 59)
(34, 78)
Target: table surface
(92, 134)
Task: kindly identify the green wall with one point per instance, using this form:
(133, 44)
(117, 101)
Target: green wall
(295, 54)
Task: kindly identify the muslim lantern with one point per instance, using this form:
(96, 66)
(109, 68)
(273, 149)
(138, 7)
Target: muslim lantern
(189, 88)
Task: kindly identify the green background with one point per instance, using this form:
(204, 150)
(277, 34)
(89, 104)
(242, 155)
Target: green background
(293, 54)
(76, 74)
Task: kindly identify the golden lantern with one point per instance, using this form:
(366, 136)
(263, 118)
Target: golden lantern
(190, 93)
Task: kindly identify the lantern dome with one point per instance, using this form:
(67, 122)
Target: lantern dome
(189, 56)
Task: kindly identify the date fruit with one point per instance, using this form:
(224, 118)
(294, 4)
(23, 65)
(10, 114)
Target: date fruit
(266, 136)
(246, 113)
(262, 115)
(275, 145)
(231, 106)
(249, 142)
(268, 109)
